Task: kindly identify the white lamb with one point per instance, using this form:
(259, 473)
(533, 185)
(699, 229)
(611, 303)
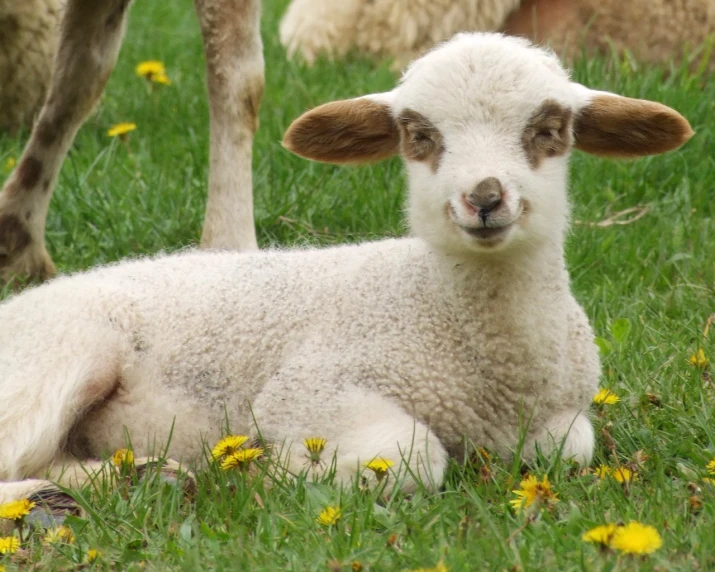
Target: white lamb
(411, 349)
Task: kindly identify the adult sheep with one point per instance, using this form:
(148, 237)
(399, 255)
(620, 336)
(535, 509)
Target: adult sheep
(654, 31)
(412, 349)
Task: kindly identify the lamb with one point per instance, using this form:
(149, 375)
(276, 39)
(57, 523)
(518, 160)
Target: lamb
(400, 29)
(89, 43)
(413, 349)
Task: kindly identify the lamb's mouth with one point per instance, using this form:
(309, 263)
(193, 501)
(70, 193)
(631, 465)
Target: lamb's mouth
(488, 233)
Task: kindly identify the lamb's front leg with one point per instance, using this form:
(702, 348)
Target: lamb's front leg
(92, 32)
(569, 432)
(359, 426)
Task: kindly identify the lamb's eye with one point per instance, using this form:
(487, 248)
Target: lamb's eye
(546, 133)
(421, 137)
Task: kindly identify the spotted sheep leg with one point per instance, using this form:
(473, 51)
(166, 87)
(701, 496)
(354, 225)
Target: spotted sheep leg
(91, 36)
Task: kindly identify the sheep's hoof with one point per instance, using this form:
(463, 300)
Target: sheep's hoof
(20, 257)
(168, 471)
(51, 508)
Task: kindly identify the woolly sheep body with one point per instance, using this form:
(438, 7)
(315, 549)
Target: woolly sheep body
(29, 32)
(401, 29)
(199, 336)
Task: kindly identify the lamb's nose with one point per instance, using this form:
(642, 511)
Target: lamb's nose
(486, 196)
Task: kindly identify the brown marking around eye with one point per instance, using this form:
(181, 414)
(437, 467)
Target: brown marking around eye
(420, 140)
(547, 133)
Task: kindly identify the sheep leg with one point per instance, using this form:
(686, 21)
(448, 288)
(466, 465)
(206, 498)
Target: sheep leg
(235, 77)
(358, 426)
(91, 35)
(570, 433)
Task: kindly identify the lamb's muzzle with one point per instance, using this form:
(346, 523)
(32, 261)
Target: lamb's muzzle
(413, 349)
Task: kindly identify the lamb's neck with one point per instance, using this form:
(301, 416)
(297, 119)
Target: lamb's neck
(528, 273)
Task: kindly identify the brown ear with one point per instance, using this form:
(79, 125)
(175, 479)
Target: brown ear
(615, 126)
(350, 131)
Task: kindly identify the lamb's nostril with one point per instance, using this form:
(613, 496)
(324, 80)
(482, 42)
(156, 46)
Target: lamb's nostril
(486, 196)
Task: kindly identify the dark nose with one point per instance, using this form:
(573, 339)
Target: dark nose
(486, 196)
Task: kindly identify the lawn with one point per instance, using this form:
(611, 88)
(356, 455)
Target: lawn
(648, 287)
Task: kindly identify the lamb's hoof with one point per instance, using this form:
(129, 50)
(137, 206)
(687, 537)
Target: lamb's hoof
(51, 508)
(168, 471)
(21, 258)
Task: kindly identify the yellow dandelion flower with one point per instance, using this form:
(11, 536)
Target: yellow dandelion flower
(605, 397)
(9, 544)
(623, 475)
(241, 458)
(93, 554)
(121, 129)
(699, 359)
(602, 471)
(228, 445)
(709, 481)
(531, 489)
(329, 515)
(58, 535)
(379, 466)
(636, 538)
(153, 70)
(123, 457)
(2, 568)
(315, 446)
(9, 164)
(600, 535)
(150, 68)
(356, 566)
(15, 510)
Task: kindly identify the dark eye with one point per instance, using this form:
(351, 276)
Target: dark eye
(421, 136)
(546, 133)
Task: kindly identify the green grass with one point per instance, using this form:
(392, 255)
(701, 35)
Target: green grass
(648, 287)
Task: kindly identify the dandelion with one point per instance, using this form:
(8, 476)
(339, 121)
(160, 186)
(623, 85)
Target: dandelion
(121, 129)
(241, 458)
(379, 466)
(600, 535)
(15, 510)
(636, 538)
(699, 359)
(709, 481)
(605, 397)
(123, 457)
(530, 490)
(93, 554)
(620, 474)
(711, 467)
(356, 566)
(228, 445)
(9, 164)
(153, 70)
(330, 515)
(58, 535)
(9, 544)
(315, 446)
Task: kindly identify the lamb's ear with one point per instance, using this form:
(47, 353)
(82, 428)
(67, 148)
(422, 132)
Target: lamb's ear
(356, 130)
(614, 126)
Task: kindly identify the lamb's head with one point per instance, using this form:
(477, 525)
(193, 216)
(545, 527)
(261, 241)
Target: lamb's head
(485, 124)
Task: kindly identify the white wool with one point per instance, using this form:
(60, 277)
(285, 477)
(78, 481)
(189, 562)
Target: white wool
(403, 348)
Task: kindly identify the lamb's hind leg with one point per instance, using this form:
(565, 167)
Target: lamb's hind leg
(89, 43)
(235, 77)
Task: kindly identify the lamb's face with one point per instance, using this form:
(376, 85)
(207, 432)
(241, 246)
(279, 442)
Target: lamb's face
(485, 125)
